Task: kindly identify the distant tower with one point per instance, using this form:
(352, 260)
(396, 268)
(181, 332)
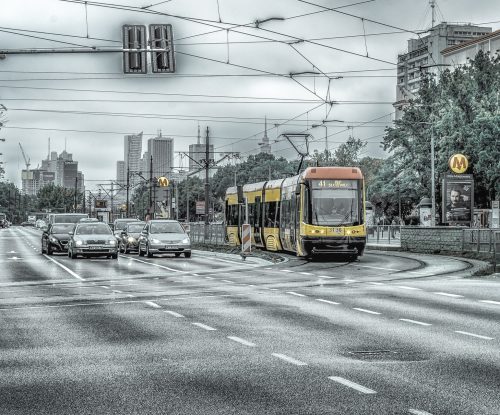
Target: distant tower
(265, 147)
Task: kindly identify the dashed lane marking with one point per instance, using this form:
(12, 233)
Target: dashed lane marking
(203, 326)
(289, 359)
(381, 268)
(418, 412)
(353, 385)
(376, 283)
(241, 341)
(490, 302)
(326, 301)
(153, 264)
(306, 273)
(231, 282)
(296, 294)
(474, 335)
(327, 276)
(173, 313)
(404, 287)
(415, 322)
(152, 304)
(363, 310)
(450, 295)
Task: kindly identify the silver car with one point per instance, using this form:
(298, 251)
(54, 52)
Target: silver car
(92, 239)
(162, 237)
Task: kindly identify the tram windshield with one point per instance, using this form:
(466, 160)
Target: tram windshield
(334, 202)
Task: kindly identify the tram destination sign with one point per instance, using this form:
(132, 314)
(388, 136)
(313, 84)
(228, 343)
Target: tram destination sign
(334, 184)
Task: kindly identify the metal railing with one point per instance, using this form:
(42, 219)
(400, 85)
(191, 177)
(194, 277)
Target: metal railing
(384, 234)
(215, 235)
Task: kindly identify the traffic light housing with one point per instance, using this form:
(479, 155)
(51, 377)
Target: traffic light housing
(162, 53)
(134, 38)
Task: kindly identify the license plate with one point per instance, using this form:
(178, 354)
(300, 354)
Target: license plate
(95, 247)
(170, 247)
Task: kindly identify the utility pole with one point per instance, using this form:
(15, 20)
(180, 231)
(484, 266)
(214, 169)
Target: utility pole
(111, 200)
(207, 184)
(128, 187)
(176, 188)
(187, 199)
(76, 189)
(150, 185)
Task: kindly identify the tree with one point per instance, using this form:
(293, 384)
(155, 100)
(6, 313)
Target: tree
(56, 198)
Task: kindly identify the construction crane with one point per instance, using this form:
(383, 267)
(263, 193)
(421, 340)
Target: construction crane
(26, 159)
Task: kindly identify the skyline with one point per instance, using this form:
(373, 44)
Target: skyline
(86, 100)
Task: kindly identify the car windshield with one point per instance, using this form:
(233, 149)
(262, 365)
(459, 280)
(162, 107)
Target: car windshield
(93, 229)
(169, 227)
(69, 218)
(120, 225)
(136, 228)
(62, 228)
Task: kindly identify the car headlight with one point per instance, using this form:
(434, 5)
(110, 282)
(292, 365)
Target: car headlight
(131, 239)
(112, 242)
(155, 241)
(54, 240)
(78, 243)
(186, 241)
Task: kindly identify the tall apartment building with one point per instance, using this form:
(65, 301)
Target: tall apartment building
(197, 153)
(459, 54)
(121, 174)
(162, 151)
(424, 55)
(132, 149)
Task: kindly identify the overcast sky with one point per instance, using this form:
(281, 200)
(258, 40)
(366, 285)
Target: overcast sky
(85, 101)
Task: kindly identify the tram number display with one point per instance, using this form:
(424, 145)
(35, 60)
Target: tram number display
(334, 184)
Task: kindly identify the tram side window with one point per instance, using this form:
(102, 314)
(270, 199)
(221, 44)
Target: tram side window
(251, 214)
(286, 218)
(270, 214)
(232, 215)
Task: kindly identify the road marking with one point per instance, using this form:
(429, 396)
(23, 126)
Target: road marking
(286, 270)
(450, 295)
(130, 296)
(289, 359)
(352, 385)
(74, 274)
(152, 304)
(117, 291)
(408, 288)
(376, 283)
(242, 341)
(384, 269)
(231, 282)
(173, 313)
(104, 286)
(418, 412)
(348, 280)
(209, 278)
(474, 335)
(203, 326)
(196, 275)
(415, 322)
(326, 301)
(365, 311)
(490, 302)
(306, 273)
(297, 294)
(326, 276)
(150, 263)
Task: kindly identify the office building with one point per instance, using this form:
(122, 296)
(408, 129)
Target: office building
(121, 174)
(197, 154)
(132, 156)
(459, 54)
(162, 151)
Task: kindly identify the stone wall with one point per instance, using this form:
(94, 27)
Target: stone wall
(431, 240)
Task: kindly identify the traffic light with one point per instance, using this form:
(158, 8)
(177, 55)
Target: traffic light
(134, 38)
(160, 36)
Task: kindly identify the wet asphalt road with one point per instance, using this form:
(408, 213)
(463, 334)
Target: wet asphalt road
(212, 334)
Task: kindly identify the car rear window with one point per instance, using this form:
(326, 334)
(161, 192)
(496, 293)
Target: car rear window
(170, 227)
(93, 229)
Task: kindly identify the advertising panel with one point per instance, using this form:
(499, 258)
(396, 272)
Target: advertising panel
(458, 198)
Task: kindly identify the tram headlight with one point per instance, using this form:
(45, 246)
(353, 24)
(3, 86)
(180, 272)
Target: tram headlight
(348, 232)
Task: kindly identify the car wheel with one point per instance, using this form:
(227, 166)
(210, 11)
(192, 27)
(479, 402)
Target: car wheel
(149, 254)
(72, 254)
(120, 248)
(114, 256)
(177, 254)
(141, 252)
(49, 250)
(43, 251)
(187, 254)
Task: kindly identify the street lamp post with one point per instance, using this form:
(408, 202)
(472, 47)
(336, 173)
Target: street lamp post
(433, 184)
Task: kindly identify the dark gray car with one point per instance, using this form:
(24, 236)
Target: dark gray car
(129, 237)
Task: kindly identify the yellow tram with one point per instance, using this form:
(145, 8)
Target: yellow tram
(320, 211)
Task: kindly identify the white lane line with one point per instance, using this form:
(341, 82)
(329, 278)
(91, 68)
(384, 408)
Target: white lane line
(152, 304)
(450, 295)
(104, 286)
(404, 287)
(352, 385)
(365, 311)
(130, 296)
(376, 283)
(173, 313)
(474, 335)
(418, 412)
(306, 273)
(74, 274)
(384, 269)
(286, 270)
(296, 294)
(242, 341)
(289, 359)
(209, 278)
(203, 326)
(415, 322)
(490, 302)
(231, 282)
(326, 276)
(326, 301)
(196, 275)
(349, 280)
(117, 291)
(150, 263)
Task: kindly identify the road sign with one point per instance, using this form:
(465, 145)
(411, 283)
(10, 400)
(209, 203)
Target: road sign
(246, 238)
(458, 163)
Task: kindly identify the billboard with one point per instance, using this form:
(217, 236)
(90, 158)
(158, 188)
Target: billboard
(458, 198)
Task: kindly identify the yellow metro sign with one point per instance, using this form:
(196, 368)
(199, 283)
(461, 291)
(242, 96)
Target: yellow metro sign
(458, 163)
(163, 181)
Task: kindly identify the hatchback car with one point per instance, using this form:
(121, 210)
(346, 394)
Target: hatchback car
(129, 237)
(162, 237)
(120, 224)
(92, 239)
(56, 237)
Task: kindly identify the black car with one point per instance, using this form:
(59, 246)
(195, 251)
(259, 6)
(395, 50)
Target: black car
(129, 237)
(56, 237)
